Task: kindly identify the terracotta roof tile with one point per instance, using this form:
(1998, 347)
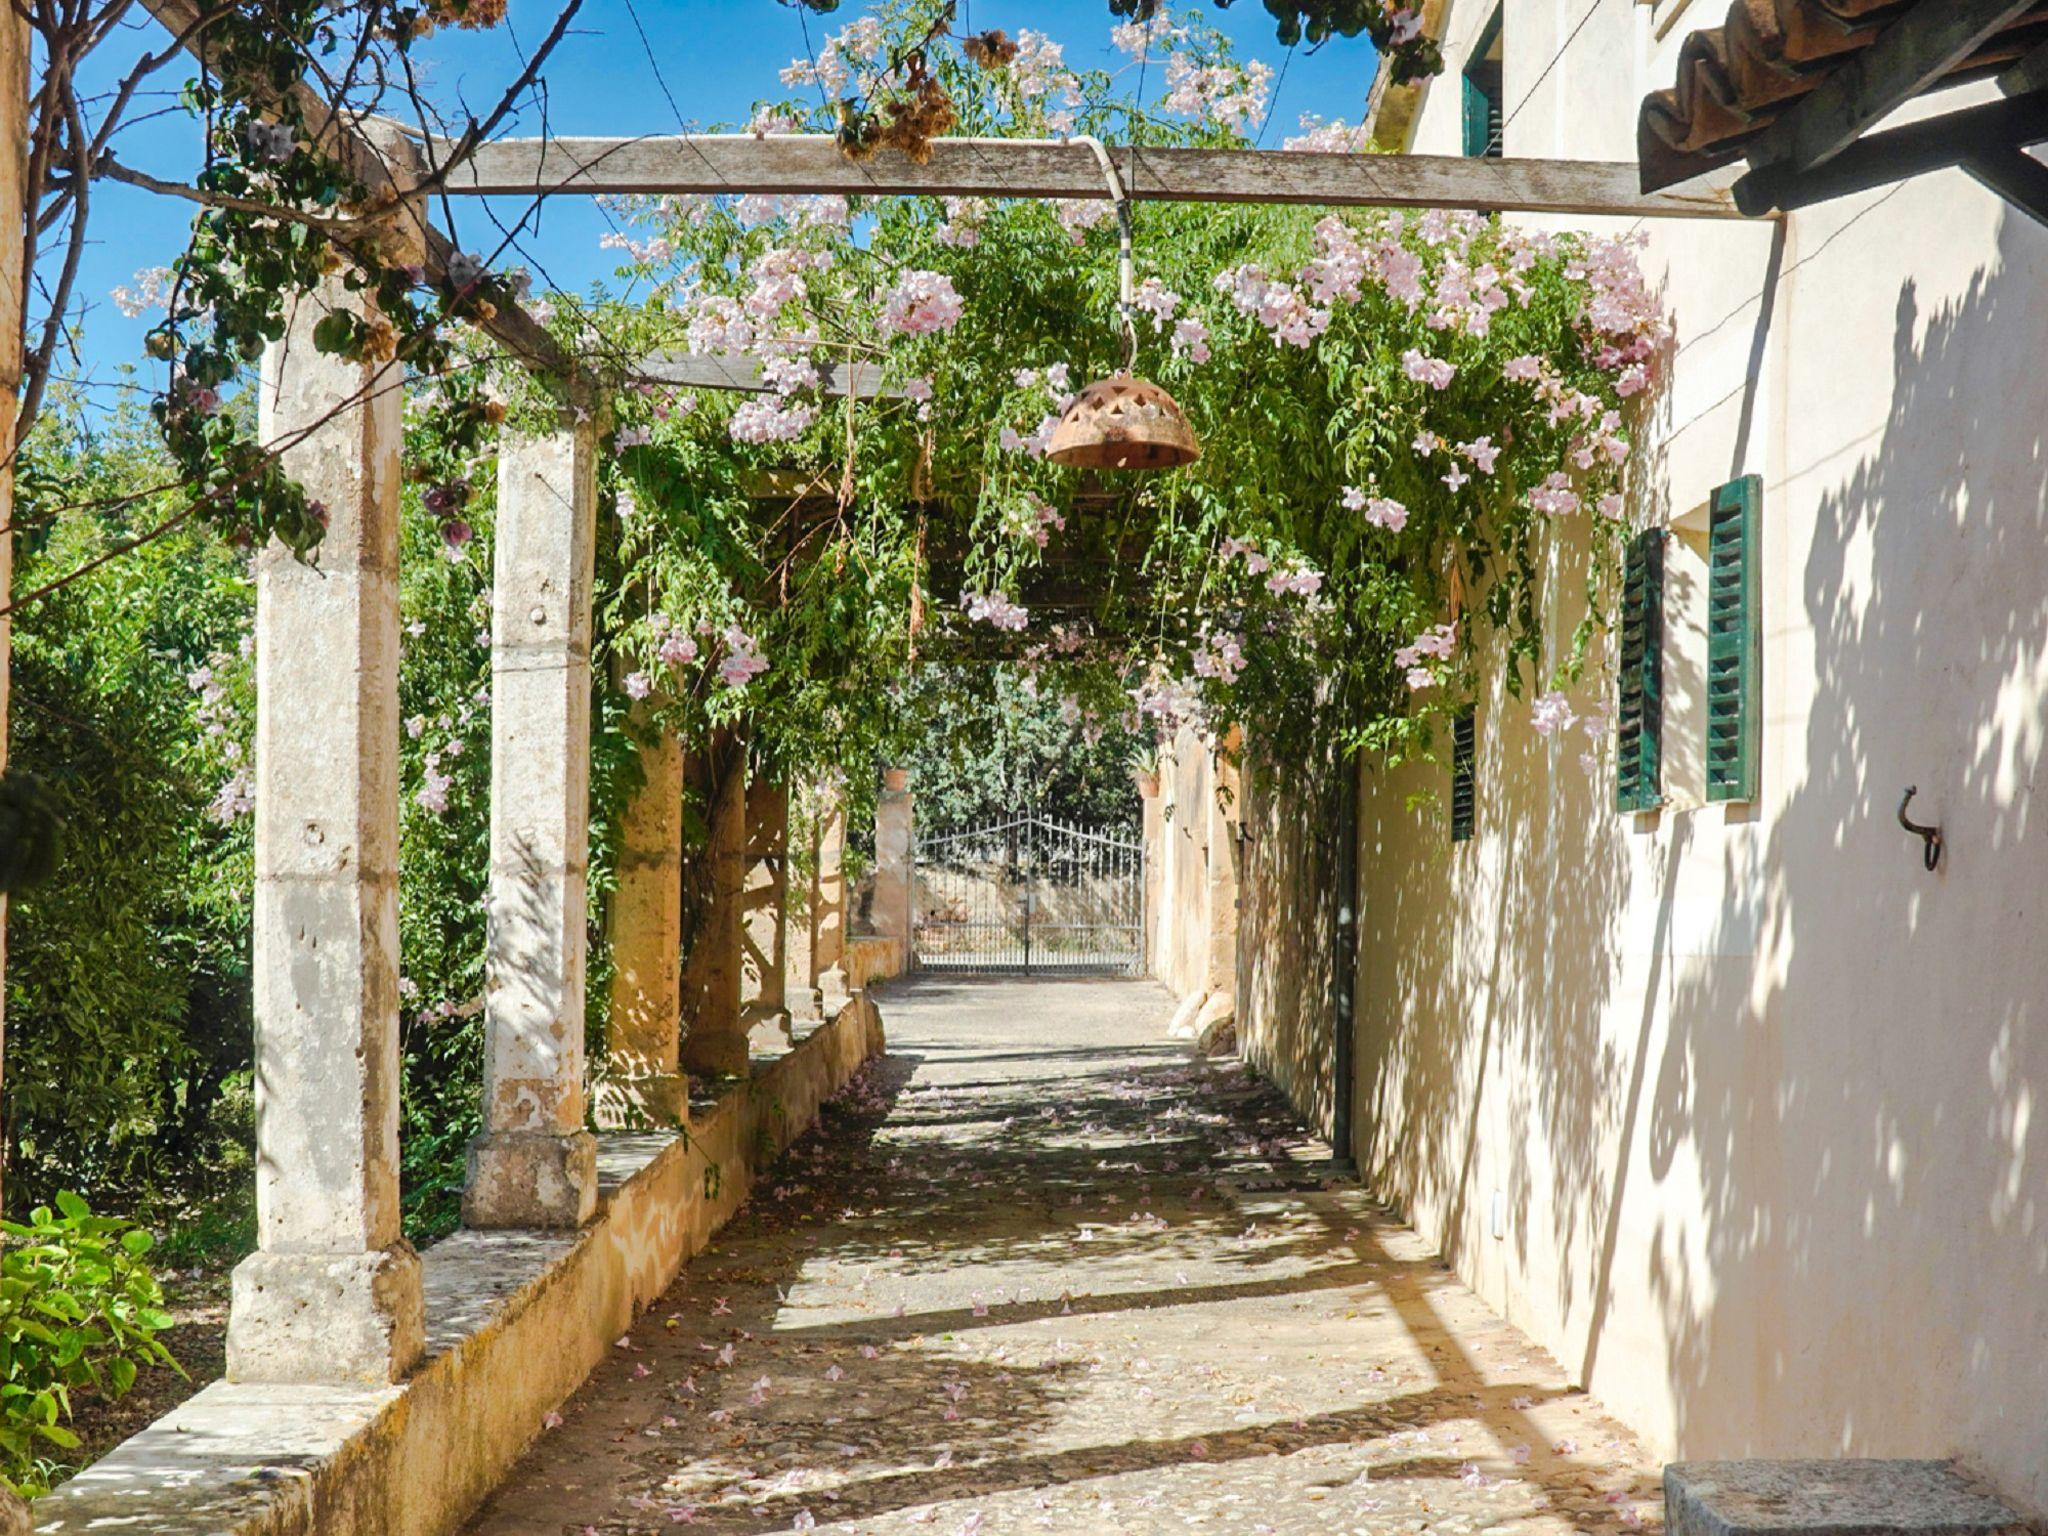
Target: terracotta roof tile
(1734, 79)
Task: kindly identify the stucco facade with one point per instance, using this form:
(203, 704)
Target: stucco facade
(1734, 1106)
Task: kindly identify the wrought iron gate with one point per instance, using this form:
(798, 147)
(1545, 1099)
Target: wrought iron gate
(1030, 894)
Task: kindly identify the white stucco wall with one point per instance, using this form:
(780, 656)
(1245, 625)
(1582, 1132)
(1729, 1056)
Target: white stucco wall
(1760, 1101)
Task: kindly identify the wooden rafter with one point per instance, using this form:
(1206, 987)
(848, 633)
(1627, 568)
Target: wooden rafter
(1958, 138)
(1910, 55)
(791, 164)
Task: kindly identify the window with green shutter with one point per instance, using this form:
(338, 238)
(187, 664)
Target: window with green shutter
(1464, 775)
(1639, 722)
(1484, 129)
(1732, 640)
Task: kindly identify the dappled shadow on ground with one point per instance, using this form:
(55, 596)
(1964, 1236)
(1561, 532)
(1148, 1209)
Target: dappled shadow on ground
(1039, 1272)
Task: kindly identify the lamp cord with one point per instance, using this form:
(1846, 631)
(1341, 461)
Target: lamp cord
(1126, 266)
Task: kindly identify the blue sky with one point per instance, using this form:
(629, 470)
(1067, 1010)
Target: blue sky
(715, 58)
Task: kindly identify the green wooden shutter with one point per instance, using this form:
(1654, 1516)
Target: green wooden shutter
(1639, 726)
(1484, 128)
(1478, 118)
(1732, 640)
(1464, 775)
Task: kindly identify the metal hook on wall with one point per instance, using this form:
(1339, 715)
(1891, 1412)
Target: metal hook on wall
(1930, 837)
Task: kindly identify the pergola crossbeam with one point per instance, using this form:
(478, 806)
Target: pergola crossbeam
(511, 326)
(801, 164)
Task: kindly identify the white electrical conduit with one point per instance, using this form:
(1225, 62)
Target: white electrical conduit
(1125, 264)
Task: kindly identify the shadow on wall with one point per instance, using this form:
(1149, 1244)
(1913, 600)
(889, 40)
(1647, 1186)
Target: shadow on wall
(1769, 1087)
(1286, 965)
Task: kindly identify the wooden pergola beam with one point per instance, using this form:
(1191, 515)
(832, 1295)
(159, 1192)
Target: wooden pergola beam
(511, 327)
(798, 164)
(1909, 56)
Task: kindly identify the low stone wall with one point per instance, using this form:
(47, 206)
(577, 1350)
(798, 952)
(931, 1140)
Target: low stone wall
(871, 958)
(515, 1322)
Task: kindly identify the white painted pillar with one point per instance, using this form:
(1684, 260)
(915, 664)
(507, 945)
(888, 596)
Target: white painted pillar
(333, 1291)
(535, 1165)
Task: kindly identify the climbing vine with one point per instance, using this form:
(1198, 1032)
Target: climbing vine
(1402, 416)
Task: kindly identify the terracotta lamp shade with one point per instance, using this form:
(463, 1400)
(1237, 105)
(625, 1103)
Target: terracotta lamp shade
(1123, 422)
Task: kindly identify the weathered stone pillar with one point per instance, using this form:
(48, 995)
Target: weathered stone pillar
(1155, 833)
(535, 1165)
(894, 853)
(828, 893)
(646, 936)
(332, 1293)
(1225, 811)
(714, 1036)
(765, 907)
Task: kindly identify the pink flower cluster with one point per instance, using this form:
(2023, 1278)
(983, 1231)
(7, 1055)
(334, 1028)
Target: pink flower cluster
(962, 226)
(1078, 215)
(1157, 300)
(1424, 369)
(1555, 496)
(994, 608)
(1228, 95)
(743, 660)
(1295, 576)
(1551, 713)
(771, 419)
(1331, 138)
(1170, 702)
(1221, 657)
(1431, 645)
(920, 304)
(1280, 307)
(839, 61)
(1380, 511)
(1140, 39)
(1033, 519)
(1234, 548)
(1621, 310)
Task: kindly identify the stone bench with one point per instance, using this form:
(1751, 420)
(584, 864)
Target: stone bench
(1831, 1498)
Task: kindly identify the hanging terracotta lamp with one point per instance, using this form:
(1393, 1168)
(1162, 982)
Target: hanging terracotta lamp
(1123, 421)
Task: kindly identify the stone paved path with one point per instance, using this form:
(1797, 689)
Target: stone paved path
(1037, 1271)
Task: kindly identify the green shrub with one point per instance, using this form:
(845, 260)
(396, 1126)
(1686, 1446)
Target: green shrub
(79, 1310)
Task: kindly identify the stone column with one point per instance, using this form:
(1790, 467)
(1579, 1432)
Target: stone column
(535, 1165)
(894, 852)
(828, 896)
(1155, 868)
(1224, 812)
(332, 1293)
(647, 936)
(714, 1037)
(765, 907)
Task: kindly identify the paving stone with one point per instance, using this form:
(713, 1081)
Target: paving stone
(1851, 1497)
(1040, 1270)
